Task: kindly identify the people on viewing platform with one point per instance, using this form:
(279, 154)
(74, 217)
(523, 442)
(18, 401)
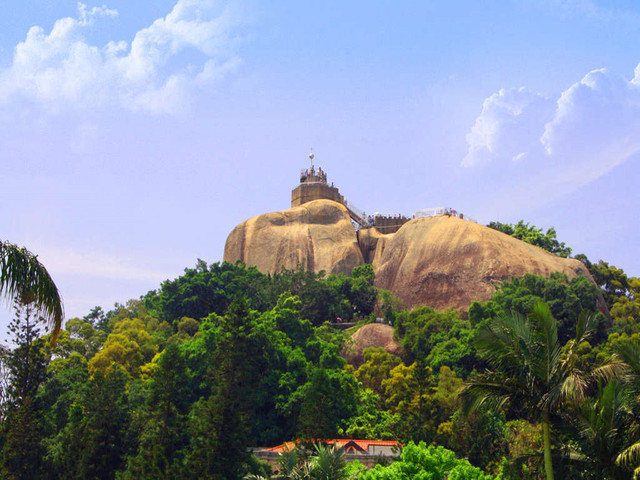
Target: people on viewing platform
(313, 175)
(386, 223)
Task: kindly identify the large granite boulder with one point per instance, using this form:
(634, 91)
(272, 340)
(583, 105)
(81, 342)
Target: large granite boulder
(445, 262)
(376, 335)
(317, 235)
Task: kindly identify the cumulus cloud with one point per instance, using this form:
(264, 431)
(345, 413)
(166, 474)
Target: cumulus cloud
(508, 126)
(593, 126)
(86, 14)
(61, 68)
(596, 125)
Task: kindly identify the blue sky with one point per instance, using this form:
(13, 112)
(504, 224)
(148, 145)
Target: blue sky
(135, 135)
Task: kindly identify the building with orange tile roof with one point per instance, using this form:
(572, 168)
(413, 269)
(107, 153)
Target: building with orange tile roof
(367, 452)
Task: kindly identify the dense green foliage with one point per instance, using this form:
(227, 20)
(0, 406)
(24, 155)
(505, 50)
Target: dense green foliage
(211, 289)
(529, 372)
(179, 384)
(21, 428)
(440, 338)
(534, 236)
(566, 299)
(426, 463)
(613, 282)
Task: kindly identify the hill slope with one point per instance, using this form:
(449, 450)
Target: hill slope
(443, 262)
(447, 262)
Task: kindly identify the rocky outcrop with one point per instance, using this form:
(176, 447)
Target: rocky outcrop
(446, 262)
(372, 244)
(443, 261)
(317, 235)
(375, 335)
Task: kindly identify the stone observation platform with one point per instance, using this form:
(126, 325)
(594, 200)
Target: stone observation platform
(314, 186)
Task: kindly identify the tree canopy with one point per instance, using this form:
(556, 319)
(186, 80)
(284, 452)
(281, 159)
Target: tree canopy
(184, 382)
(533, 235)
(23, 278)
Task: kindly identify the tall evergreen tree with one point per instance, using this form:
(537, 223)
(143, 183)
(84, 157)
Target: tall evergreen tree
(219, 424)
(22, 433)
(95, 441)
(164, 434)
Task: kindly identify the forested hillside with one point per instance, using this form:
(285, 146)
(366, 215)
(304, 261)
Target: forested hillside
(543, 378)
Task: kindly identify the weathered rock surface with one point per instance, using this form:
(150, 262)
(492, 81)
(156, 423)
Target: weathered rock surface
(443, 262)
(371, 335)
(446, 262)
(317, 235)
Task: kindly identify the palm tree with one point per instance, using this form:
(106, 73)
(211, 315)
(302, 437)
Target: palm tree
(23, 278)
(528, 367)
(629, 353)
(328, 463)
(602, 422)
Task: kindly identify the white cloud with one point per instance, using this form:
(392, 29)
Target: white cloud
(596, 125)
(508, 125)
(60, 68)
(593, 126)
(86, 15)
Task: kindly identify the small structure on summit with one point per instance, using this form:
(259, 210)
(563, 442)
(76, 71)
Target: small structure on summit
(434, 257)
(314, 186)
(387, 223)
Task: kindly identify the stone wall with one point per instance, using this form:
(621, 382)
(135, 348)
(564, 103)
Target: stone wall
(389, 223)
(307, 192)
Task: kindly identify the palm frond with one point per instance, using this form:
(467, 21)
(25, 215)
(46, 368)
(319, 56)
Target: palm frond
(505, 342)
(287, 460)
(23, 277)
(614, 369)
(585, 326)
(574, 386)
(330, 462)
(629, 456)
(490, 389)
(543, 319)
(629, 353)
(548, 362)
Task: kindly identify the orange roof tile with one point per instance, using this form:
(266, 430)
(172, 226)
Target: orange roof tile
(363, 444)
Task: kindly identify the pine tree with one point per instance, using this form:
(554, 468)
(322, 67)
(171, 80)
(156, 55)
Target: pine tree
(22, 433)
(95, 439)
(163, 436)
(219, 424)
